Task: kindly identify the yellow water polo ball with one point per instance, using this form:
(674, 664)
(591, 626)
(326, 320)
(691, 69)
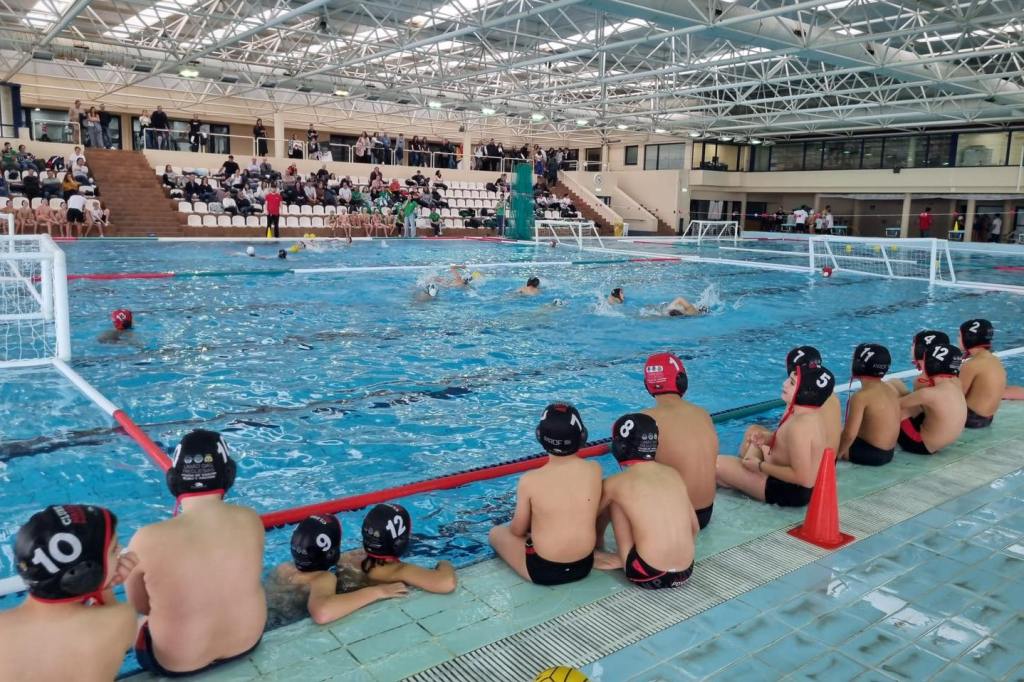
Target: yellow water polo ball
(561, 673)
(294, 248)
(849, 248)
(877, 248)
(477, 274)
(893, 248)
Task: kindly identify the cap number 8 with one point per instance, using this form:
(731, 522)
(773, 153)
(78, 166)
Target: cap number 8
(626, 428)
(323, 542)
(40, 558)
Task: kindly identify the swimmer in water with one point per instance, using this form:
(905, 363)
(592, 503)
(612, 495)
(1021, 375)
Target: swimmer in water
(680, 307)
(282, 254)
(783, 471)
(617, 296)
(428, 293)
(122, 332)
(70, 559)
(872, 413)
(386, 532)
(459, 280)
(316, 556)
(532, 287)
(934, 415)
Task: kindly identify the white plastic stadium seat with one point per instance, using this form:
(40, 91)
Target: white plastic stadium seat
(184, 207)
(330, 210)
(237, 221)
(317, 221)
(36, 201)
(305, 221)
(4, 201)
(291, 221)
(223, 221)
(318, 210)
(252, 221)
(195, 220)
(200, 207)
(209, 220)
(18, 202)
(293, 209)
(305, 209)
(56, 204)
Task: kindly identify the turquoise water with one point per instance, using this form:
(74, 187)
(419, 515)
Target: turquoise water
(335, 384)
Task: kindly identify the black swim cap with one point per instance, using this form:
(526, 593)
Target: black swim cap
(561, 430)
(282, 254)
(316, 543)
(870, 360)
(925, 338)
(976, 333)
(635, 438)
(802, 355)
(201, 465)
(814, 385)
(675, 312)
(533, 282)
(942, 359)
(61, 553)
(617, 293)
(386, 532)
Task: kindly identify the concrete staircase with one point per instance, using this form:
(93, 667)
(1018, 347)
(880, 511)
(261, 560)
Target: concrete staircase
(131, 190)
(604, 228)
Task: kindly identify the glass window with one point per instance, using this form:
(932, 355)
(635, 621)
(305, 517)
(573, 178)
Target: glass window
(918, 157)
(1016, 148)
(697, 158)
(632, 152)
(664, 156)
(896, 152)
(842, 154)
(981, 149)
(872, 153)
(49, 125)
(812, 156)
(721, 156)
(593, 159)
(762, 156)
(787, 157)
(650, 156)
(939, 147)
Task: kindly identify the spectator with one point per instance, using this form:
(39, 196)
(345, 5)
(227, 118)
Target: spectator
(400, 149)
(375, 147)
(161, 128)
(259, 134)
(10, 157)
(447, 159)
(424, 152)
(97, 217)
(229, 168)
(195, 134)
(345, 194)
(996, 229)
(385, 152)
(439, 181)
(80, 171)
(362, 148)
(30, 183)
(69, 186)
(309, 189)
(375, 174)
(313, 142)
(229, 204)
(76, 211)
(500, 153)
(169, 179)
(206, 192)
(5, 189)
(266, 170)
(502, 182)
(50, 185)
(74, 157)
(76, 117)
(322, 174)
(294, 148)
(492, 156)
(105, 127)
(193, 188)
(414, 151)
(94, 137)
(478, 157)
(24, 159)
(272, 207)
(145, 123)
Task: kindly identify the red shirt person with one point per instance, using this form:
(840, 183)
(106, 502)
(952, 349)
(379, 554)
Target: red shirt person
(924, 222)
(272, 206)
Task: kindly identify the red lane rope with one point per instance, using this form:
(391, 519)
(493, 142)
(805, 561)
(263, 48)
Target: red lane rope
(653, 260)
(342, 504)
(123, 275)
(158, 456)
(1010, 268)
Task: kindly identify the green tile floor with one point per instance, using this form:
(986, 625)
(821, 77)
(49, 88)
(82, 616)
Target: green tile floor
(391, 640)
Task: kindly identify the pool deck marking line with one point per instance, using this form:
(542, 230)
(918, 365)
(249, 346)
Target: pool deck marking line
(590, 632)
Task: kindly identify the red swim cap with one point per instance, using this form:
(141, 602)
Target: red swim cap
(665, 373)
(122, 319)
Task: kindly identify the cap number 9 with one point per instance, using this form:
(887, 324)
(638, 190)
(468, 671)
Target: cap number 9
(626, 428)
(323, 542)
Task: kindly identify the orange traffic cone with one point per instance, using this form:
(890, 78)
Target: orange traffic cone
(821, 525)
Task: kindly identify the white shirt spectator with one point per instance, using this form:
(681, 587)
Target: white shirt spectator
(228, 202)
(997, 226)
(345, 193)
(73, 159)
(76, 202)
(800, 216)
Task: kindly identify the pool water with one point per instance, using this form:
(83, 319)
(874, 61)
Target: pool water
(328, 385)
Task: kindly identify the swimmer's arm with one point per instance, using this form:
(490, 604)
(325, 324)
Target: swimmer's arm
(440, 580)
(854, 419)
(135, 589)
(912, 400)
(901, 388)
(967, 375)
(520, 524)
(694, 523)
(326, 607)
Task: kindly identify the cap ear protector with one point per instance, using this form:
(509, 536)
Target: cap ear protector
(61, 552)
(814, 385)
(316, 543)
(432, 290)
(870, 360)
(635, 438)
(802, 355)
(976, 333)
(201, 464)
(533, 282)
(122, 319)
(387, 529)
(561, 430)
(942, 359)
(665, 373)
(926, 338)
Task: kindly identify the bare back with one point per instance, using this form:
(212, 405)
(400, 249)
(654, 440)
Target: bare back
(654, 499)
(881, 422)
(564, 497)
(799, 444)
(945, 411)
(203, 576)
(832, 420)
(984, 380)
(688, 442)
(92, 642)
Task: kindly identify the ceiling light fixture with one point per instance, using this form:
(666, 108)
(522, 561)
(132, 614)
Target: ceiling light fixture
(188, 72)
(537, 116)
(725, 138)
(622, 126)
(340, 92)
(694, 133)
(434, 104)
(582, 121)
(754, 140)
(487, 111)
(660, 131)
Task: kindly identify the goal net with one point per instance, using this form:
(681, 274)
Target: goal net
(34, 325)
(716, 230)
(920, 259)
(575, 231)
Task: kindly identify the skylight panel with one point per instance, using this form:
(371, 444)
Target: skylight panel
(163, 10)
(46, 13)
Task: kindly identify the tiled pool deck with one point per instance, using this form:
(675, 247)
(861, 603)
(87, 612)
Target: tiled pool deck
(939, 594)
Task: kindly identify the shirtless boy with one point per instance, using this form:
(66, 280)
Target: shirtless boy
(783, 471)
(552, 535)
(198, 576)
(687, 439)
(653, 520)
(982, 374)
(68, 556)
(873, 412)
(922, 340)
(386, 532)
(680, 307)
(617, 296)
(934, 415)
(532, 287)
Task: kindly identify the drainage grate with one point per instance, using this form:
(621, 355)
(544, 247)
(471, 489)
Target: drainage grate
(614, 622)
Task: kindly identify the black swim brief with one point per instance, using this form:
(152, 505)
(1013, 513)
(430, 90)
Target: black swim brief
(863, 452)
(976, 421)
(544, 572)
(910, 436)
(786, 494)
(642, 574)
(147, 658)
(704, 515)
